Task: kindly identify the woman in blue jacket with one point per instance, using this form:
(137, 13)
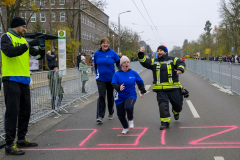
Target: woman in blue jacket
(104, 60)
(124, 83)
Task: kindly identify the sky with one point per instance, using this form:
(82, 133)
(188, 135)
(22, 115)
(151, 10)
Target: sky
(175, 20)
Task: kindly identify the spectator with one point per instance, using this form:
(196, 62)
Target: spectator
(104, 60)
(83, 68)
(132, 58)
(55, 86)
(52, 59)
(78, 59)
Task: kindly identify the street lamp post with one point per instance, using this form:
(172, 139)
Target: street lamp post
(113, 41)
(119, 28)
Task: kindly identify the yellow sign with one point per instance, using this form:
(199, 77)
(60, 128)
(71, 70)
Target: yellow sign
(187, 55)
(207, 51)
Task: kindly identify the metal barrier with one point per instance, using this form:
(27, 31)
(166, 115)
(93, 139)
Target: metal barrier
(46, 91)
(224, 74)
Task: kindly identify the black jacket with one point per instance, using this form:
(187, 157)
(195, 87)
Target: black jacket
(78, 59)
(164, 74)
(51, 60)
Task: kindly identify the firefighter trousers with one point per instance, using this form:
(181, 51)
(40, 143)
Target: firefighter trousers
(176, 99)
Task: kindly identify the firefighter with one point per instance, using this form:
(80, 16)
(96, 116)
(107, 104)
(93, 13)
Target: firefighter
(166, 82)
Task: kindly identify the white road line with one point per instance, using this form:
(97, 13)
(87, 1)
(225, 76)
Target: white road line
(147, 87)
(194, 112)
(218, 158)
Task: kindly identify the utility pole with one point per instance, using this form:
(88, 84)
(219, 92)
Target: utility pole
(50, 19)
(79, 27)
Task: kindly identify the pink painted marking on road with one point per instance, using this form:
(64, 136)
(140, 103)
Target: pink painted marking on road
(134, 144)
(163, 137)
(132, 148)
(195, 142)
(88, 137)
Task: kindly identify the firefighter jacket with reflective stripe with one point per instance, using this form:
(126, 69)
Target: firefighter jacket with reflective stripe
(164, 74)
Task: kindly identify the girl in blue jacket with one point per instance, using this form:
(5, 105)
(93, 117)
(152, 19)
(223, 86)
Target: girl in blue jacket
(124, 83)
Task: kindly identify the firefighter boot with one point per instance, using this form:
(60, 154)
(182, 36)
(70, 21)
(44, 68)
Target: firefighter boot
(164, 125)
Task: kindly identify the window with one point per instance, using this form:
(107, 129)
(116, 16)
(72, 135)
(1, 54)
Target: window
(42, 17)
(23, 15)
(88, 21)
(62, 17)
(32, 2)
(52, 2)
(86, 35)
(0, 28)
(33, 17)
(62, 2)
(82, 34)
(41, 2)
(90, 36)
(53, 17)
(44, 31)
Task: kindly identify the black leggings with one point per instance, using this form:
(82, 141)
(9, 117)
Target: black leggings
(126, 106)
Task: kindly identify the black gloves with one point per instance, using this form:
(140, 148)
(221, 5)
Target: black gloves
(185, 93)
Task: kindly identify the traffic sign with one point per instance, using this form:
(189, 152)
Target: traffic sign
(207, 51)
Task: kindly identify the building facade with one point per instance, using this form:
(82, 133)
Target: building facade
(65, 14)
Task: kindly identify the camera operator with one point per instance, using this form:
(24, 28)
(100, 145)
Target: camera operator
(15, 51)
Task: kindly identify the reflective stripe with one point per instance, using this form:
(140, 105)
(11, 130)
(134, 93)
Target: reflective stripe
(175, 112)
(175, 61)
(152, 61)
(168, 119)
(163, 62)
(165, 87)
(158, 73)
(169, 70)
(142, 60)
(181, 66)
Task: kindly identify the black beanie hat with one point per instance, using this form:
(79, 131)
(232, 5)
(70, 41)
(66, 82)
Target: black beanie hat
(17, 21)
(164, 48)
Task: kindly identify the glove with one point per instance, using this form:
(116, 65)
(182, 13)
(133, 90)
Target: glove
(34, 42)
(185, 93)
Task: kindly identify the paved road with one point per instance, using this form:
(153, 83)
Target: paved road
(210, 132)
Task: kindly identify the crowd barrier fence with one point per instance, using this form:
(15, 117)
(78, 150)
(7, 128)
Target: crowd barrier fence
(225, 75)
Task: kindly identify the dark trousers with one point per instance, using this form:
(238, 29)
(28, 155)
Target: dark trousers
(83, 86)
(18, 110)
(176, 99)
(60, 97)
(123, 108)
(101, 104)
